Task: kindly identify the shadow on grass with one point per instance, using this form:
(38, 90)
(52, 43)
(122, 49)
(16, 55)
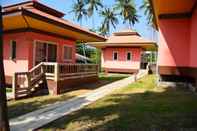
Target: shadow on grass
(26, 105)
(169, 110)
(101, 82)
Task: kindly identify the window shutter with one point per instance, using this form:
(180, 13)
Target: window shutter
(13, 50)
(115, 55)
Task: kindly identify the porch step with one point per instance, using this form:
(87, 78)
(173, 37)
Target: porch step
(22, 90)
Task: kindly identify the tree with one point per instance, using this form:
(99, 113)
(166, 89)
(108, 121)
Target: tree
(4, 125)
(81, 47)
(126, 9)
(78, 8)
(102, 30)
(93, 5)
(109, 18)
(148, 11)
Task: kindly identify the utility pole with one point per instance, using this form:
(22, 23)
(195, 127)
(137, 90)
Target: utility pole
(4, 124)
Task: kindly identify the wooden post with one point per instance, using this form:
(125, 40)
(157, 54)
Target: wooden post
(28, 82)
(56, 72)
(97, 70)
(14, 85)
(43, 70)
(4, 124)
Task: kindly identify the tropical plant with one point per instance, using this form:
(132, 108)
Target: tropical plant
(93, 5)
(126, 9)
(148, 11)
(102, 30)
(78, 8)
(83, 49)
(109, 18)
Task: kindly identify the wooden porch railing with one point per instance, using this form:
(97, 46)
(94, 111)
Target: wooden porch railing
(61, 71)
(24, 83)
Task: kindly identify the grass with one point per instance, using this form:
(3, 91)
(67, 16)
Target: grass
(139, 107)
(23, 106)
(8, 90)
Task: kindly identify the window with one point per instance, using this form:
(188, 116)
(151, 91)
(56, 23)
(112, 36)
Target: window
(129, 56)
(67, 53)
(115, 55)
(13, 49)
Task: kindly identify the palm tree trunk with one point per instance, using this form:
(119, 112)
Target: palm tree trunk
(81, 22)
(84, 53)
(4, 125)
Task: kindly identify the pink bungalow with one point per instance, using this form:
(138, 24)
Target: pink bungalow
(39, 46)
(176, 21)
(122, 51)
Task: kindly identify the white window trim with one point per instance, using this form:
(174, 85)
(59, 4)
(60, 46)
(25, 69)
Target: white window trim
(67, 60)
(131, 55)
(113, 55)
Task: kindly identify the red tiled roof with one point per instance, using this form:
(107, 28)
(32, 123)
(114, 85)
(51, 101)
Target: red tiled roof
(36, 5)
(34, 9)
(126, 36)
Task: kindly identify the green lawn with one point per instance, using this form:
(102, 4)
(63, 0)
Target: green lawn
(8, 90)
(139, 107)
(26, 105)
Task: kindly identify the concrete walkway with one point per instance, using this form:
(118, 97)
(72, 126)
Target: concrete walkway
(10, 96)
(36, 119)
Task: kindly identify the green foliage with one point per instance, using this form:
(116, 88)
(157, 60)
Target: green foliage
(110, 16)
(148, 11)
(78, 8)
(80, 47)
(126, 9)
(93, 5)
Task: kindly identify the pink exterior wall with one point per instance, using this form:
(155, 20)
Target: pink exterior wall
(178, 42)
(21, 63)
(121, 63)
(174, 42)
(193, 40)
(24, 50)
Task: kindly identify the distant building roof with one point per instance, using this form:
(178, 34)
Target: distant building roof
(128, 38)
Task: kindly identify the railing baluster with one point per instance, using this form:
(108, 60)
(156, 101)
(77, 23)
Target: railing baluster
(14, 85)
(56, 73)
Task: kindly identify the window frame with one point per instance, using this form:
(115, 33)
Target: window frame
(131, 56)
(12, 52)
(67, 60)
(114, 55)
(42, 41)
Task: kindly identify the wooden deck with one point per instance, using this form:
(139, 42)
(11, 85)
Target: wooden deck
(54, 75)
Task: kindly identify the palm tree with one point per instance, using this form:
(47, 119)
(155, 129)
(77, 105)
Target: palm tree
(148, 11)
(78, 8)
(4, 126)
(102, 30)
(110, 18)
(127, 10)
(93, 5)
